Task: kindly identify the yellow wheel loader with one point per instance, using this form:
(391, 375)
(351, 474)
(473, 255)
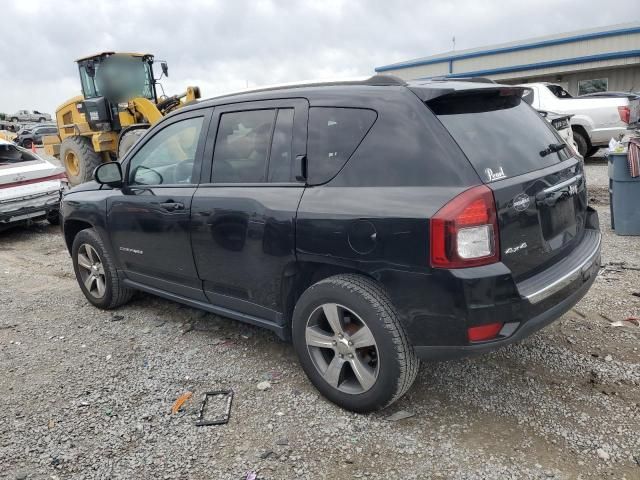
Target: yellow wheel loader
(119, 102)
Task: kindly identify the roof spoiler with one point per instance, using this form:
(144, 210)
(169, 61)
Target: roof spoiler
(427, 94)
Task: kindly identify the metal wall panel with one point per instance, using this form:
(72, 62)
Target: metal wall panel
(545, 54)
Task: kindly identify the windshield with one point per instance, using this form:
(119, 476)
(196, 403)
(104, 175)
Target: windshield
(119, 79)
(501, 135)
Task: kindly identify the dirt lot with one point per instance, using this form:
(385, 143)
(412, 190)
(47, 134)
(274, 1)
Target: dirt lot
(86, 393)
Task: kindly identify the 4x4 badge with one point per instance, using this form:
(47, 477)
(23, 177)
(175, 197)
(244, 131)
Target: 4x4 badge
(521, 202)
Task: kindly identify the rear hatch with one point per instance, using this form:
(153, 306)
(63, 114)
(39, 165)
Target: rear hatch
(537, 181)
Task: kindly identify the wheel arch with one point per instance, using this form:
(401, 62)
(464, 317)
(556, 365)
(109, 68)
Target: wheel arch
(71, 228)
(583, 131)
(299, 276)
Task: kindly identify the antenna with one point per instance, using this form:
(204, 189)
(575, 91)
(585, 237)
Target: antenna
(453, 40)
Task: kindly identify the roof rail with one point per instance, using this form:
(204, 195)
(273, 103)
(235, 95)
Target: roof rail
(460, 79)
(374, 80)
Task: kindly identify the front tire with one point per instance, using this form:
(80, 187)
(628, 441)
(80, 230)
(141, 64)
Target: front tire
(96, 272)
(351, 344)
(42, 120)
(14, 119)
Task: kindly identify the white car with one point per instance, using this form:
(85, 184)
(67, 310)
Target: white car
(562, 123)
(595, 120)
(30, 187)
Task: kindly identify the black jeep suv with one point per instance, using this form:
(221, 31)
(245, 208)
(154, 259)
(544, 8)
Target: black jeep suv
(373, 223)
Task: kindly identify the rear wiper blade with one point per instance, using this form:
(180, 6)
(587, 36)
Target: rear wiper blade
(552, 148)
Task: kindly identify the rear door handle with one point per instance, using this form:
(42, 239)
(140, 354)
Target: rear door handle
(172, 206)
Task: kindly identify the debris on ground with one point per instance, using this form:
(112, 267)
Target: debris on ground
(264, 385)
(222, 408)
(400, 415)
(177, 405)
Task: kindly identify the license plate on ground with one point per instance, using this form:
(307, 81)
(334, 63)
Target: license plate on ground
(28, 215)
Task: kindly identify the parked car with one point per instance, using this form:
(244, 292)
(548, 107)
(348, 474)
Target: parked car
(29, 116)
(562, 123)
(595, 119)
(27, 136)
(371, 222)
(30, 187)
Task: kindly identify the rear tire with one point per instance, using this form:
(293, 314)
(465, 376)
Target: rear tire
(91, 259)
(592, 151)
(27, 143)
(42, 119)
(361, 379)
(582, 142)
(79, 159)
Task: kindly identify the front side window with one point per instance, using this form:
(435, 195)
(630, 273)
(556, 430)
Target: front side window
(334, 134)
(169, 156)
(242, 146)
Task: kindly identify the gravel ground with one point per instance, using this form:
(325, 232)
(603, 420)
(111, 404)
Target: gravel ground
(86, 393)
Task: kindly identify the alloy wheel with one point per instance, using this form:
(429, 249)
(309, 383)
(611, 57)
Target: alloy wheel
(91, 270)
(342, 348)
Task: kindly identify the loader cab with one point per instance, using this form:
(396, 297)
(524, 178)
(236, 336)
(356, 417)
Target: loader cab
(109, 79)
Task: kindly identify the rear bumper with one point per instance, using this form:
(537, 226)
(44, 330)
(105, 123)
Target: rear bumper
(455, 300)
(527, 328)
(29, 207)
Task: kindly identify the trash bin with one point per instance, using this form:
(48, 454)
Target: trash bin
(624, 196)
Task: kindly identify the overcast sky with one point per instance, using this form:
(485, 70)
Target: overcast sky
(224, 45)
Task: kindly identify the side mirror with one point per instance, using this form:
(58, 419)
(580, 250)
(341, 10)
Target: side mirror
(165, 68)
(109, 174)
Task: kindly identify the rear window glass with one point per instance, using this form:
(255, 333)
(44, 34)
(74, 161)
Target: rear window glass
(334, 134)
(242, 146)
(500, 134)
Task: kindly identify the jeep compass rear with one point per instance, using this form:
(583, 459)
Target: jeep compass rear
(372, 223)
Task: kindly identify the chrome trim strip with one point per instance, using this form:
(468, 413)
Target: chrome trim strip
(561, 185)
(566, 279)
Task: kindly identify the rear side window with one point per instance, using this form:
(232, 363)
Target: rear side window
(242, 146)
(500, 134)
(334, 134)
(280, 158)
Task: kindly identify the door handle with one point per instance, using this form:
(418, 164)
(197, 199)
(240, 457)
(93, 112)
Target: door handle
(172, 206)
(301, 167)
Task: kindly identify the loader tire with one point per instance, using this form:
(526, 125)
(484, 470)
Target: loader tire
(79, 159)
(128, 140)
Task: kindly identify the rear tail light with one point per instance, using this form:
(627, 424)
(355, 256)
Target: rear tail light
(625, 114)
(484, 332)
(464, 233)
(60, 176)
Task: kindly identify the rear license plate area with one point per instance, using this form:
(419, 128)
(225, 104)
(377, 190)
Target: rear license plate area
(558, 218)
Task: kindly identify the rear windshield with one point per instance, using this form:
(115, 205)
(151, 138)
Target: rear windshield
(11, 154)
(500, 134)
